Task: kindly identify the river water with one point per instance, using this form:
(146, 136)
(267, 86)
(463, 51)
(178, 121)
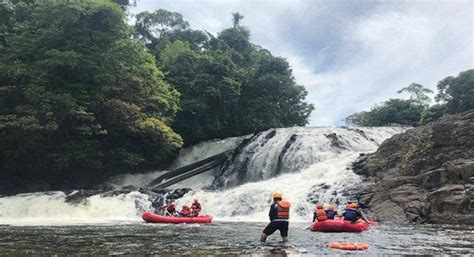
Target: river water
(305, 164)
(227, 238)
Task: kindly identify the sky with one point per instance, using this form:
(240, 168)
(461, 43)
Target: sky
(349, 55)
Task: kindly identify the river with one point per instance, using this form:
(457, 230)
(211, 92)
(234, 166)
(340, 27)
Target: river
(226, 238)
(305, 164)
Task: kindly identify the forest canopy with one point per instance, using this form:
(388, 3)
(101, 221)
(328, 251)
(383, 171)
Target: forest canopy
(228, 85)
(84, 95)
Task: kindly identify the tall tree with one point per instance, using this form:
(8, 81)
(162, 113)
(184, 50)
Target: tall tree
(417, 93)
(457, 92)
(78, 97)
(153, 25)
(236, 18)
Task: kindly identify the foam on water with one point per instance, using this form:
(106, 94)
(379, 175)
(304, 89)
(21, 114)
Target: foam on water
(51, 208)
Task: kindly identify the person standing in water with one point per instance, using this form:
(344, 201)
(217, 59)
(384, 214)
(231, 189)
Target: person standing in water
(279, 218)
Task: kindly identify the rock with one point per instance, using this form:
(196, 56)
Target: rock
(425, 174)
(336, 141)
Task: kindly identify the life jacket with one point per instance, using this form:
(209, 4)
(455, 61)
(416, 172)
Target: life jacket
(283, 210)
(196, 207)
(331, 214)
(321, 214)
(171, 207)
(185, 212)
(351, 214)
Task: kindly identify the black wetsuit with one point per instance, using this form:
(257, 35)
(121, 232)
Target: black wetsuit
(276, 223)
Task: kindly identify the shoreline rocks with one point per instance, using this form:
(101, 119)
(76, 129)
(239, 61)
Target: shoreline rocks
(424, 175)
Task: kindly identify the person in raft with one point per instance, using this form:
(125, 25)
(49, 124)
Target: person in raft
(195, 208)
(185, 211)
(330, 211)
(353, 213)
(279, 218)
(170, 208)
(319, 213)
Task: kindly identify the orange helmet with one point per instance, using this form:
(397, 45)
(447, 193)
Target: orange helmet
(277, 195)
(331, 207)
(353, 205)
(319, 206)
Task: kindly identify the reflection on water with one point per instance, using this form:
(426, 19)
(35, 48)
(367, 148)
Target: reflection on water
(226, 238)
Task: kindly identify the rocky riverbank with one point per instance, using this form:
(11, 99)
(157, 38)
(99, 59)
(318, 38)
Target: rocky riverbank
(424, 175)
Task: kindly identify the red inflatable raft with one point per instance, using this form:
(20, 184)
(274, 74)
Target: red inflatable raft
(340, 226)
(155, 218)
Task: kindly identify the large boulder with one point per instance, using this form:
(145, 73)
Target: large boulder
(425, 174)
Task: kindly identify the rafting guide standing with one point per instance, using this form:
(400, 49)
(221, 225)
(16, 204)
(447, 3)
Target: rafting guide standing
(279, 218)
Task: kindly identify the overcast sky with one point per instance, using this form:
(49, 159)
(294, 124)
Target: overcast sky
(348, 54)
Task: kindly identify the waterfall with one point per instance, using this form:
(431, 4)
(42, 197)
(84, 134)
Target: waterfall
(306, 164)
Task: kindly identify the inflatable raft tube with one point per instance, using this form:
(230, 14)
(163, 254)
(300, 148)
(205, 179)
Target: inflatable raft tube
(349, 246)
(155, 218)
(340, 226)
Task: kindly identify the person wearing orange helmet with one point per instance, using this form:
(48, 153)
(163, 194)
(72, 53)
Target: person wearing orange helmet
(330, 211)
(185, 211)
(319, 213)
(279, 218)
(195, 208)
(353, 212)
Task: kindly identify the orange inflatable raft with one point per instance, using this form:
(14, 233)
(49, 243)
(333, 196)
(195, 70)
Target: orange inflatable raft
(349, 246)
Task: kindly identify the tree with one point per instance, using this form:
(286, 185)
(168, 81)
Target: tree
(458, 92)
(432, 113)
(80, 100)
(391, 112)
(270, 96)
(417, 93)
(149, 26)
(236, 18)
(443, 85)
(228, 86)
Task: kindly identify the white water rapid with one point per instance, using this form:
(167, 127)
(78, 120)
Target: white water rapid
(305, 164)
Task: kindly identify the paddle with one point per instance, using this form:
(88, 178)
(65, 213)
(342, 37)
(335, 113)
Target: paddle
(364, 217)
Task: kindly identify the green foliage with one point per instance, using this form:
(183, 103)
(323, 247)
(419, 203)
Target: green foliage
(78, 96)
(391, 112)
(458, 92)
(417, 93)
(433, 113)
(228, 86)
(149, 26)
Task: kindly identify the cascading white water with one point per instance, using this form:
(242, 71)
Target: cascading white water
(52, 208)
(316, 164)
(186, 156)
(305, 164)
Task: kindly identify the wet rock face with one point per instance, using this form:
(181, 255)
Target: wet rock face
(425, 175)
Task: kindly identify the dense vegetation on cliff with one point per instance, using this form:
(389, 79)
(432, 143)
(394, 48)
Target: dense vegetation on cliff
(455, 95)
(84, 95)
